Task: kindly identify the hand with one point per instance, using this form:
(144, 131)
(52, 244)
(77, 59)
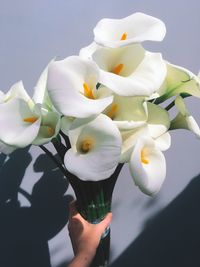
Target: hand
(85, 236)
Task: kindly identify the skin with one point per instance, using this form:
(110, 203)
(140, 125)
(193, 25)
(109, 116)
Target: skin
(84, 237)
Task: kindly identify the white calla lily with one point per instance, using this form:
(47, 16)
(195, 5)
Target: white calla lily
(184, 120)
(147, 166)
(20, 123)
(178, 80)
(26, 121)
(72, 85)
(96, 147)
(155, 126)
(135, 28)
(129, 71)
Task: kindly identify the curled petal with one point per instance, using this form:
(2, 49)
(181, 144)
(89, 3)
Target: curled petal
(135, 28)
(16, 91)
(183, 119)
(40, 94)
(163, 142)
(147, 166)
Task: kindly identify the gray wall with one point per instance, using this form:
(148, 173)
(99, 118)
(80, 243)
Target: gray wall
(33, 32)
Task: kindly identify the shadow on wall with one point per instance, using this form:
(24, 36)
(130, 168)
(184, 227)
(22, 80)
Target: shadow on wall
(172, 238)
(25, 231)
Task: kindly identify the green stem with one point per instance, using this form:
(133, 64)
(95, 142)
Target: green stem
(50, 155)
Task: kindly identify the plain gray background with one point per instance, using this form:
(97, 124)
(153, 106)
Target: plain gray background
(33, 32)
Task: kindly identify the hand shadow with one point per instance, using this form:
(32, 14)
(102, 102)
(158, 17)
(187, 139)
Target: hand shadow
(25, 231)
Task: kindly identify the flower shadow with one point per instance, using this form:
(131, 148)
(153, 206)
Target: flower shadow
(25, 231)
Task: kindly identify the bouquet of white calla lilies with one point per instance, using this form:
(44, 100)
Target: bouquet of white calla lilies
(102, 109)
(114, 82)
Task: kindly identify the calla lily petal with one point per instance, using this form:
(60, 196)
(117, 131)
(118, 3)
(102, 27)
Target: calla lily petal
(40, 94)
(96, 148)
(147, 166)
(88, 51)
(184, 120)
(6, 149)
(158, 120)
(16, 91)
(135, 28)
(143, 81)
(179, 80)
(163, 142)
(67, 82)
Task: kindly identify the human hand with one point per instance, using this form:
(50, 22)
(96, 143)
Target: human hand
(85, 236)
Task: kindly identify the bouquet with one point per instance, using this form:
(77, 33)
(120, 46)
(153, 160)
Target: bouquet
(101, 109)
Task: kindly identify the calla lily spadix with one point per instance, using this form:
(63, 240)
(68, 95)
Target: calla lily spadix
(135, 28)
(128, 71)
(147, 166)
(95, 148)
(184, 120)
(72, 87)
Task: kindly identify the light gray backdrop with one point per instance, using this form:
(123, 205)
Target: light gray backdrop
(33, 32)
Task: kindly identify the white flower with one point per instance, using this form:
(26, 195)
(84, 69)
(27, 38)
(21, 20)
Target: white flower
(147, 166)
(178, 80)
(184, 120)
(72, 87)
(155, 126)
(128, 71)
(135, 28)
(24, 121)
(96, 147)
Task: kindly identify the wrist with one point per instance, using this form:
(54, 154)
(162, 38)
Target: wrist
(82, 258)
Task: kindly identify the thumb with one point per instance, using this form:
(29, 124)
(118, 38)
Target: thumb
(106, 221)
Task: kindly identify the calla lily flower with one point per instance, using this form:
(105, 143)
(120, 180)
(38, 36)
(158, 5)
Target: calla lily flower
(20, 123)
(178, 80)
(95, 148)
(184, 120)
(72, 87)
(128, 71)
(135, 28)
(155, 126)
(147, 166)
(26, 122)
